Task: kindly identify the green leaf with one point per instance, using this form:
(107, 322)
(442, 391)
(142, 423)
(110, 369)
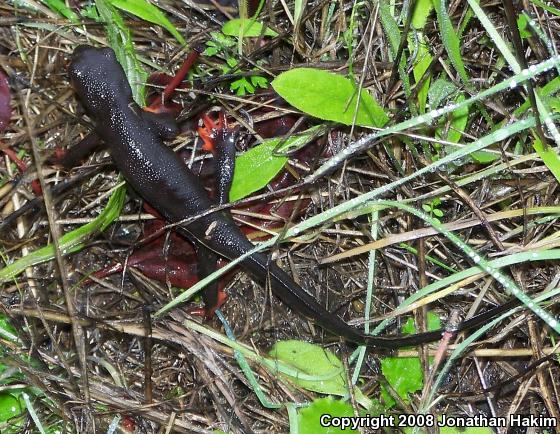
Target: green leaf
(421, 64)
(310, 417)
(434, 323)
(439, 92)
(259, 81)
(328, 96)
(255, 168)
(459, 120)
(242, 86)
(60, 7)
(148, 12)
(249, 28)
(210, 51)
(404, 374)
(90, 12)
(522, 24)
(7, 330)
(312, 360)
(422, 10)
(264, 161)
(10, 407)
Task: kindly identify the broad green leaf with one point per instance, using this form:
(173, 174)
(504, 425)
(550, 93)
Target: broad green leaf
(148, 12)
(259, 165)
(522, 24)
(10, 407)
(60, 7)
(404, 374)
(310, 417)
(247, 27)
(434, 323)
(328, 96)
(313, 360)
(255, 168)
(422, 10)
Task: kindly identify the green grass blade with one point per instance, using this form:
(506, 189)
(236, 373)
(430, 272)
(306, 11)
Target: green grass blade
(72, 241)
(451, 40)
(61, 8)
(121, 41)
(148, 12)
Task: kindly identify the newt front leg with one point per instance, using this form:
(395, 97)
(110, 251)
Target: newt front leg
(220, 140)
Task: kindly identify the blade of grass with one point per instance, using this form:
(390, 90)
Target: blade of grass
(71, 242)
(121, 42)
(369, 296)
(61, 8)
(450, 40)
(148, 12)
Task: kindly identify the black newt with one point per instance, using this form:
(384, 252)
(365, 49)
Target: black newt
(135, 140)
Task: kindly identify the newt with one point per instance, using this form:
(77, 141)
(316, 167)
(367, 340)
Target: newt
(135, 139)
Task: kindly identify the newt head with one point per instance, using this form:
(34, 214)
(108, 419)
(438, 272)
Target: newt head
(98, 78)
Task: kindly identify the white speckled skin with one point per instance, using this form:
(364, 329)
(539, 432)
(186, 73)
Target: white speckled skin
(164, 181)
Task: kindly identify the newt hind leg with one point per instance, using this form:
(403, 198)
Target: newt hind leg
(213, 295)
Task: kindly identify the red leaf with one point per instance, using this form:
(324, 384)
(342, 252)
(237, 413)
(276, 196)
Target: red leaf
(5, 109)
